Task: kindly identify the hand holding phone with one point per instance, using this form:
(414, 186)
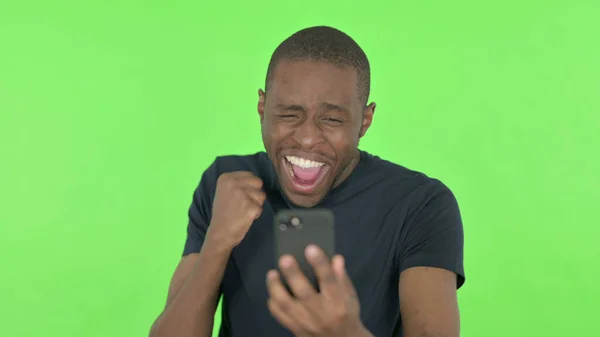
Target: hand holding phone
(297, 229)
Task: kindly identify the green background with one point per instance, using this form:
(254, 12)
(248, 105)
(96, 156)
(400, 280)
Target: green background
(111, 110)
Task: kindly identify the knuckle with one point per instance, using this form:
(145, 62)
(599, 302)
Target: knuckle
(339, 315)
(231, 182)
(330, 277)
(304, 293)
(317, 329)
(262, 196)
(283, 304)
(253, 212)
(222, 179)
(226, 181)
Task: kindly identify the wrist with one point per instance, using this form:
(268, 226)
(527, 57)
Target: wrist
(217, 244)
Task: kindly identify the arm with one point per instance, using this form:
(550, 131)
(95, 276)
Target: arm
(237, 202)
(431, 266)
(194, 290)
(193, 294)
(428, 302)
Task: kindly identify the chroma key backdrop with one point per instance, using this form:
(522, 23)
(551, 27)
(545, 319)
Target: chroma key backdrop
(111, 110)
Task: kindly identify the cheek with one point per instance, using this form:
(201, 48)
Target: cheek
(273, 132)
(265, 129)
(344, 142)
(343, 137)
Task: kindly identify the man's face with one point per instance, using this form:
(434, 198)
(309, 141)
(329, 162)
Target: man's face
(312, 119)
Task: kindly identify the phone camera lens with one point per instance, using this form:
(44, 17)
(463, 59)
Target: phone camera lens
(282, 226)
(296, 222)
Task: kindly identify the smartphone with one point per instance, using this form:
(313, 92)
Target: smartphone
(296, 229)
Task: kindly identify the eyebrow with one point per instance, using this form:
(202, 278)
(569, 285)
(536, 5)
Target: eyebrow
(292, 107)
(300, 108)
(329, 106)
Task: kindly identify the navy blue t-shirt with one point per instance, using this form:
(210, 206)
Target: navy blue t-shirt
(388, 219)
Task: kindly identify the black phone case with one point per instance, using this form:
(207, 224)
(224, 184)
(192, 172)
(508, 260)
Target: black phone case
(317, 227)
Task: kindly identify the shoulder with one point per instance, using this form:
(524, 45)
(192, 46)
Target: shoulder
(394, 174)
(406, 184)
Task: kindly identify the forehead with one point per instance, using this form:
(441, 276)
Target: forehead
(313, 82)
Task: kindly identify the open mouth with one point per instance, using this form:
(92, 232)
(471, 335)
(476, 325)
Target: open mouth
(305, 175)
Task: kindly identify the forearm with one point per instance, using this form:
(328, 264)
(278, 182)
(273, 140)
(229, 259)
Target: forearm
(191, 312)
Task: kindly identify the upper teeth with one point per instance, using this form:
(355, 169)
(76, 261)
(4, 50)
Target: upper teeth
(304, 163)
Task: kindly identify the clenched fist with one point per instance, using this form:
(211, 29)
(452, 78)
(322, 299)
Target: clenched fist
(238, 202)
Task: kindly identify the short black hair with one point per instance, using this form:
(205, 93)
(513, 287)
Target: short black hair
(324, 43)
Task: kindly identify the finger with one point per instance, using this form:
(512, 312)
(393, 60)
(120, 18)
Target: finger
(285, 304)
(235, 177)
(241, 174)
(328, 280)
(339, 267)
(297, 281)
(254, 210)
(250, 181)
(281, 316)
(278, 292)
(257, 195)
(253, 203)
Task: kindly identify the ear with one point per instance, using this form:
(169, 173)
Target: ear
(261, 104)
(367, 119)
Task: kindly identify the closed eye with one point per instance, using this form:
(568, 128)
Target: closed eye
(288, 117)
(332, 120)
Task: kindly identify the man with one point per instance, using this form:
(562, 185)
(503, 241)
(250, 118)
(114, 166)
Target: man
(399, 234)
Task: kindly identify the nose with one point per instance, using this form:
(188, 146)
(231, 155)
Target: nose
(309, 134)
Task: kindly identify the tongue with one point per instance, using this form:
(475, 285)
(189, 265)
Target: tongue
(306, 174)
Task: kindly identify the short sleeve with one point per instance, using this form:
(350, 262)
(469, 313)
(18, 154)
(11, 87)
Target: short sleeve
(199, 213)
(434, 236)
